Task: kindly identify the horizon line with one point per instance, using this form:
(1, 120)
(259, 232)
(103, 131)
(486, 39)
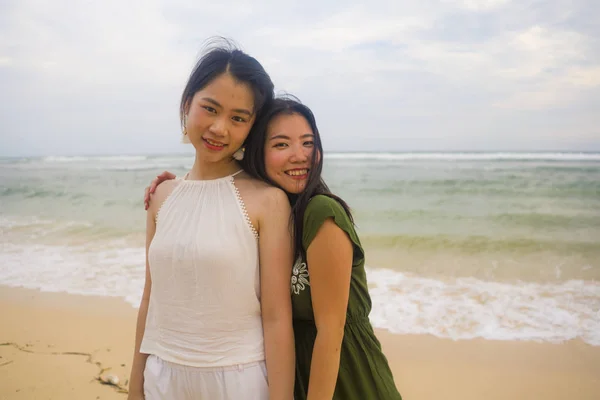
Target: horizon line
(326, 152)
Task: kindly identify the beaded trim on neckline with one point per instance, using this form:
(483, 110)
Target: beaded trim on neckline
(184, 179)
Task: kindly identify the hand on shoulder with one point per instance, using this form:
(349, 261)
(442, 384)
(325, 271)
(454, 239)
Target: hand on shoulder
(163, 190)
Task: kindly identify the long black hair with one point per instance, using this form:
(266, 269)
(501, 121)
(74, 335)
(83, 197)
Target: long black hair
(254, 163)
(220, 56)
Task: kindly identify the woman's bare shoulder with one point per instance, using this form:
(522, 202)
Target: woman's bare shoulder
(163, 190)
(270, 197)
(262, 188)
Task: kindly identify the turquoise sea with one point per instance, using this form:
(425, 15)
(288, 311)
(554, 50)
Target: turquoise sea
(502, 246)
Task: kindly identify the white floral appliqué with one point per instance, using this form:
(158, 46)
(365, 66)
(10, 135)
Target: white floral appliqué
(299, 277)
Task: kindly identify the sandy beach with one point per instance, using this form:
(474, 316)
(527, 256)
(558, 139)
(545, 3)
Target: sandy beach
(55, 346)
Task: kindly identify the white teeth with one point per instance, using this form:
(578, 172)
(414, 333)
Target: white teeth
(214, 143)
(297, 172)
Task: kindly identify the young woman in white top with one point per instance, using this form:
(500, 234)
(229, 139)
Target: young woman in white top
(215, 318)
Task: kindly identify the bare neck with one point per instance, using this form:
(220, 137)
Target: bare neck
(204, 170)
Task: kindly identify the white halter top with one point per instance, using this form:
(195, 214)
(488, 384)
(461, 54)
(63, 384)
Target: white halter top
(204, 306)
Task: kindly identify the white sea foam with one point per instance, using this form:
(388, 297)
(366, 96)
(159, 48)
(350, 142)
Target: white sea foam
(9, 222)
(116, 271)
(457, 309)
(109, 163)
(64, 159)
(155, 166)
(37, 227)
(467, 308)
(466, 156)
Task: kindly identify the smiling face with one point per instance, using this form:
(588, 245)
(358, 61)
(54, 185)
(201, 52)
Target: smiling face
(219, 118)
(289, 148)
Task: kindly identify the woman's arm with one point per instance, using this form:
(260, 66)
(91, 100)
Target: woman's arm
(276, 258)
(329, 259)
(136, 380)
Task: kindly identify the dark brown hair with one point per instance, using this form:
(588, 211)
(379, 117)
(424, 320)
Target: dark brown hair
(220, 56)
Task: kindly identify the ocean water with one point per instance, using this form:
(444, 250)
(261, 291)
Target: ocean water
(500, 246)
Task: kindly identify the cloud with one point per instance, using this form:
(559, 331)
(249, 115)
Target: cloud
(346, 29)
(478, 5)
(94, 42)
(357, 46)
(6, 61)
(412, 74)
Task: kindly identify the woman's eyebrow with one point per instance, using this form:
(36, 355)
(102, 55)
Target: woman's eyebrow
(237, 110)
(282, 136)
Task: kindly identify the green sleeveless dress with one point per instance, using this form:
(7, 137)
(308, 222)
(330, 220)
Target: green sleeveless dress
(364, 372)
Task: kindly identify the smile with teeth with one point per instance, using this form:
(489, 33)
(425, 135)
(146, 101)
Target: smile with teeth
(297, 172)
(216, 144)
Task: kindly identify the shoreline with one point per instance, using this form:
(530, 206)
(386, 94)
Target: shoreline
(54, 346)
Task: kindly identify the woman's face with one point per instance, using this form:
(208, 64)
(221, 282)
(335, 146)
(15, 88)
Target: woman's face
(219, 118)
(289, 149)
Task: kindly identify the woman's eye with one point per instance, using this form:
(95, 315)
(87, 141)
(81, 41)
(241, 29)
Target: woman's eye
(238, 119)
(309, 143)
(209, 109)
(280, 145)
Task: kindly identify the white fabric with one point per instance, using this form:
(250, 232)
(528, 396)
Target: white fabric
(167, 381)
(204, 308)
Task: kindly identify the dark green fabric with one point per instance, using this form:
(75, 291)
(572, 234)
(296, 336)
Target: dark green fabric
(364, 372)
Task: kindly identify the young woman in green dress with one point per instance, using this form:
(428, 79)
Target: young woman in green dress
(337, 353)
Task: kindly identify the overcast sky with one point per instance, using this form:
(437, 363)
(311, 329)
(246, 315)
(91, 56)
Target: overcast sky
(104, 77)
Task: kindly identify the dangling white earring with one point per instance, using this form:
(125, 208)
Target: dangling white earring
(185, 138)
(239, 155)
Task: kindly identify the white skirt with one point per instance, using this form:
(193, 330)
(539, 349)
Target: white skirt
(165, 380)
